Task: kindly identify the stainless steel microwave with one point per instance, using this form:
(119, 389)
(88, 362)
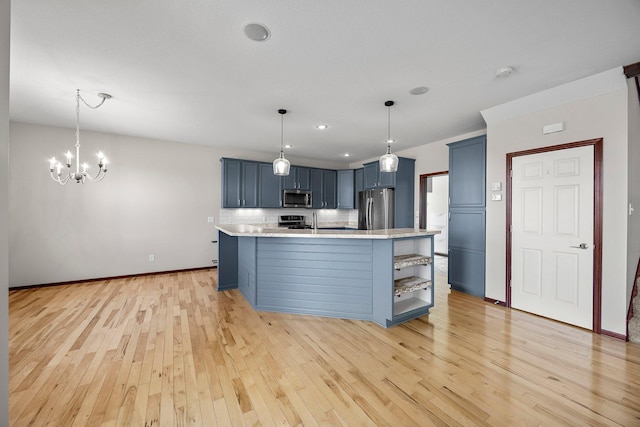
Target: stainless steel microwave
(296, 199)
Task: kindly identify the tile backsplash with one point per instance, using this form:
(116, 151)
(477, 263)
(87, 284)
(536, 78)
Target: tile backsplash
(271, 216)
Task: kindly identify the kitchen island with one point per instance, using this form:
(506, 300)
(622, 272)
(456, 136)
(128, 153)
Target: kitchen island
(380, 275)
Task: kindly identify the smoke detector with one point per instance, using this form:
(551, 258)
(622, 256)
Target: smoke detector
(504, 72)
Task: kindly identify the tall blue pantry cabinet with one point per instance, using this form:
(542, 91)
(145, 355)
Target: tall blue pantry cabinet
(467, 203)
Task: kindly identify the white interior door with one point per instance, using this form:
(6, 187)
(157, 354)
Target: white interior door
(552, 235)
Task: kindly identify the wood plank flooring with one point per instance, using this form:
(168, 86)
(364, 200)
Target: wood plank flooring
(168, 350)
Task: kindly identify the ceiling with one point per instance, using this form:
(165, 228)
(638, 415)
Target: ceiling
(184, 70)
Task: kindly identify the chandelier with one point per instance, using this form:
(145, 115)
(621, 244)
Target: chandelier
(79, 176)
(281, 165)
(389, 161)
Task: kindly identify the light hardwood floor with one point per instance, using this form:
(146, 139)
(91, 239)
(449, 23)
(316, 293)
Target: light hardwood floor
(170, 350)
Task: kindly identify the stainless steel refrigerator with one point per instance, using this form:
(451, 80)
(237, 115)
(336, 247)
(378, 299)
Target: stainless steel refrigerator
(376, 209)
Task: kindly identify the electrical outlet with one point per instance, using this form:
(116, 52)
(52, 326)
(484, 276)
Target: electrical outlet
(152, 257)
(211, 219)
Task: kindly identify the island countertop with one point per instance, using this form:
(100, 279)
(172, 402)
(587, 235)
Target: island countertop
(245, 230)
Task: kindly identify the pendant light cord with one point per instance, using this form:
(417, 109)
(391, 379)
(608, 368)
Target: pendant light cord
(389, 124)
(281, 135)
(282, 113)
(389, 104)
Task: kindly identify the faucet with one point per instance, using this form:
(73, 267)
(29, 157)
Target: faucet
(314, 221)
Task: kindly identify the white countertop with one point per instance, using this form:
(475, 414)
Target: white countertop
(242, 230)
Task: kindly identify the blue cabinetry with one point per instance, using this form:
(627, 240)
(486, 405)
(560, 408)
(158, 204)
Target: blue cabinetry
(330, 189)
(227, 262)
(373, 178)
(467, 229)
(388, 281)
(299, 178)
(239, 184)
(346, 193)
(248, 184)
(323, 189)
(359, 186)
(270, 194)
(251, 184)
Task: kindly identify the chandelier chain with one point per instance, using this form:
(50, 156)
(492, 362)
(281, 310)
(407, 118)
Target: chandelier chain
(79, 176)
(104, 98)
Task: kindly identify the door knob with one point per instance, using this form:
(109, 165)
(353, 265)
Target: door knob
(582, 246)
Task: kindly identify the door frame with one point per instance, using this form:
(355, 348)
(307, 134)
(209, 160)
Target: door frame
(597, 220)
(422, 210)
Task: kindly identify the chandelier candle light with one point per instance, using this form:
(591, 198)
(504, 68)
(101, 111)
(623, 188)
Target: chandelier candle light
(79, 176)
(388, 161)
(281, 165)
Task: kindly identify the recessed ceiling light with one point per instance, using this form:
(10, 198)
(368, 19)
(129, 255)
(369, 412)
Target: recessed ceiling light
(420, 90)
(504, 71)
(288, 146)
(257, 32)
(322, 126)
(346, 155)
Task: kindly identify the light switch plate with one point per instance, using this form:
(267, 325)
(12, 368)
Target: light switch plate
(496, 197)
(496, 186)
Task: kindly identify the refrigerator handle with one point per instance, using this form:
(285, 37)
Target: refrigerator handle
(369, 213)
(366, 215)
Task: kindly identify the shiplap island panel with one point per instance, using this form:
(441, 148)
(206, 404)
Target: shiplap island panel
(352, 274)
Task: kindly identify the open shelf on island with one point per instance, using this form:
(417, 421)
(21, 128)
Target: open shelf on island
(408, 305)
(409, 260)
(412, 279)
(410, 284)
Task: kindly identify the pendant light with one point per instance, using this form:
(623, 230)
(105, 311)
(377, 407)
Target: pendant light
(388, 161)
(281, 165)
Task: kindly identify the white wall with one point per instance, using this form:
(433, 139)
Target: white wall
(633, 243)
(600, 116)
(155, 199)
(4, 210)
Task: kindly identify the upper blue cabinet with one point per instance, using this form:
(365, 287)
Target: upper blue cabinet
(359, 186)
(467, 173)
(373, 178)
(270, 187)
(239, 184)
(252, 184)
(323, 189)
(346, 193)
(299, 178)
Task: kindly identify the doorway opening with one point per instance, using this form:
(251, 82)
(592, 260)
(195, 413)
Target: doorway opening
(434, 215)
